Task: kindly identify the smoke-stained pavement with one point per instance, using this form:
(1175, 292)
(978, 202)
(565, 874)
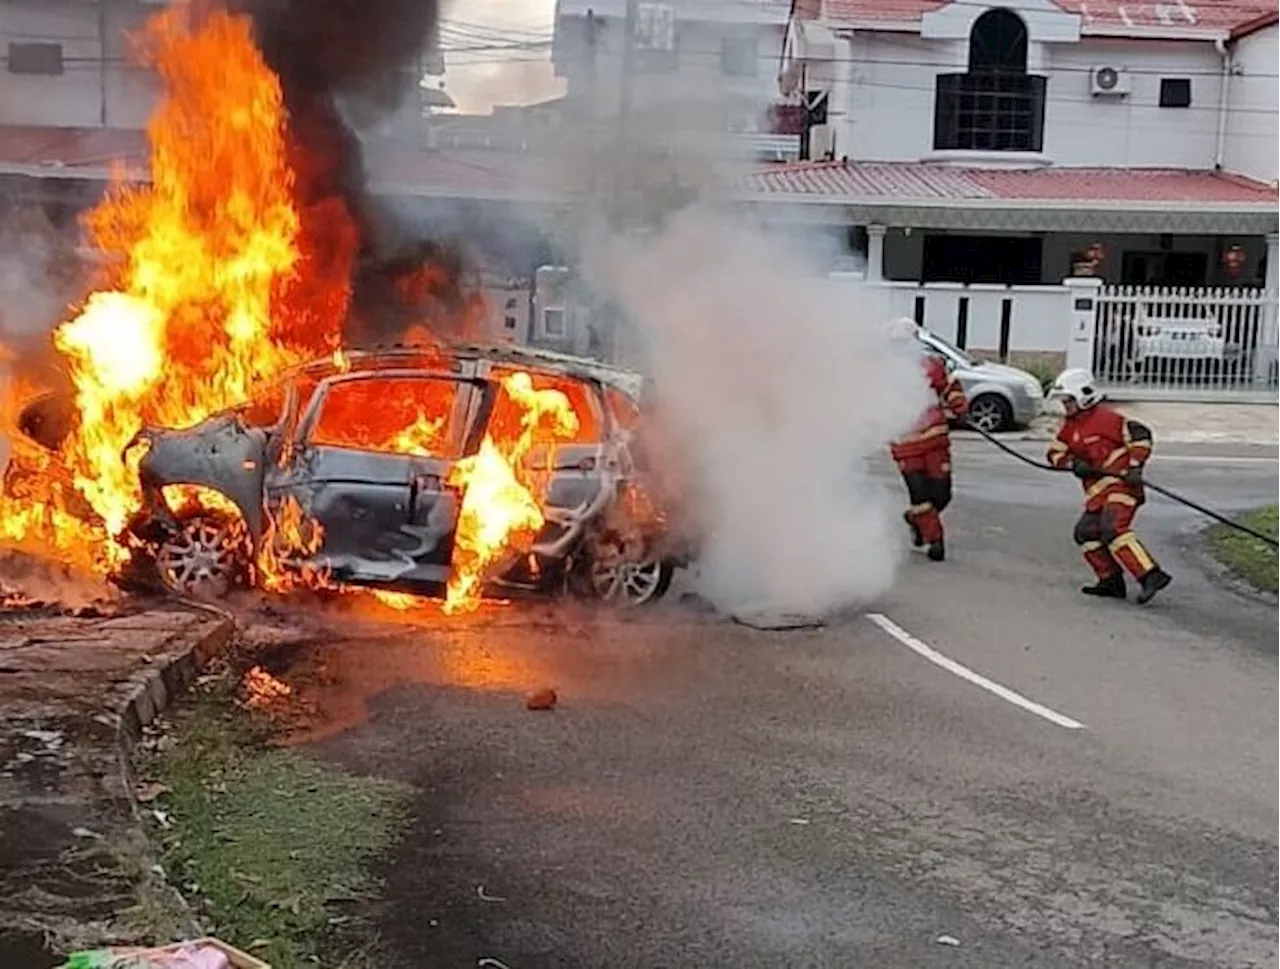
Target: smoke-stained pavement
(715, 796)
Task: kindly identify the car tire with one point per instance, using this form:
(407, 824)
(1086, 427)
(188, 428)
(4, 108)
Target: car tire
(990, 413)
(205, 556)
(630, 584)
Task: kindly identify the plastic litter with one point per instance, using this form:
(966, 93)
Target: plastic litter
(205, 953)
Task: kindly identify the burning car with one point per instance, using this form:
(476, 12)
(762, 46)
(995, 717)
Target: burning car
(414, 469)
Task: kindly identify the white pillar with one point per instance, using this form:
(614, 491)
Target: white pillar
(1265, 354)
(875, 253)
(1083, 313)
(1272, 283)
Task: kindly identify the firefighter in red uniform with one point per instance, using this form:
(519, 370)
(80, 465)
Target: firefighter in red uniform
(924, 455)
(1107, 452)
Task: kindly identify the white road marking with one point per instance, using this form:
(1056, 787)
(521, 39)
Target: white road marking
(951, 666)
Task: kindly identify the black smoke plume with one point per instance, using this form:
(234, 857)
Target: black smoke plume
(345, 62)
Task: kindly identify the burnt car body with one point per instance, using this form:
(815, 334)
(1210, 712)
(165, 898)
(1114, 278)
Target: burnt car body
(345, 444)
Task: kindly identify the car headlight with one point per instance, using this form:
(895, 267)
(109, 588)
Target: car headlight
(1033, 387)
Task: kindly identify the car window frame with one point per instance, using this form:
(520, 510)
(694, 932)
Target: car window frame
(591, 387)
(461, 416)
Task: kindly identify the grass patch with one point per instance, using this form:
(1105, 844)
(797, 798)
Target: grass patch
(1249, 559)
(1043, 372)
(271, 846)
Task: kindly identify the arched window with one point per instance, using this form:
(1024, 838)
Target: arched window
(998, 44)
(995, 105)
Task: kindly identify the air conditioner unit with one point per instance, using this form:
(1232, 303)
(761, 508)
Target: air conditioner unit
(822, 141)
(1109, 82)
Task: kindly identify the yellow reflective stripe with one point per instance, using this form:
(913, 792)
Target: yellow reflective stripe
(1130, 542)
(1101, 485)
(1056, 445)
(921, 509)
(1118, 453)
(1119, 498)
(933, 431)
(1091, 546)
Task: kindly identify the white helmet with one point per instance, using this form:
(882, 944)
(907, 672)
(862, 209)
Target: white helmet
(1076, 384)
(903, 329)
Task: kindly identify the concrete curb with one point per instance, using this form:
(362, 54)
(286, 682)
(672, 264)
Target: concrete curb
(150, 693)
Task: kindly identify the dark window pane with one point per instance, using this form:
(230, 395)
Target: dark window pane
(1175, 92)
(989, 112)
(998, 43)
(43, 59)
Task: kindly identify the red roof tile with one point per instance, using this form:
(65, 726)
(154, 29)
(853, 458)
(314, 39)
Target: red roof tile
(1213, 15)
(914, 182)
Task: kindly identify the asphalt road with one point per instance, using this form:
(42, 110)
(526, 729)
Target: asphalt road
(984, 769)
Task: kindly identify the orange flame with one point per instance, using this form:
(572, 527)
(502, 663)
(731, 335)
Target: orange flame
(291, 538)
(499, 512)
(215, 281)
(420, 437)
(186, 326)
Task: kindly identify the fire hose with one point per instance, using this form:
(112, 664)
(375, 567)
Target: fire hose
(1158, 489)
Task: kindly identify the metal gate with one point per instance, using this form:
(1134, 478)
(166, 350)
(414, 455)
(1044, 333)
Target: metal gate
(1163, 339)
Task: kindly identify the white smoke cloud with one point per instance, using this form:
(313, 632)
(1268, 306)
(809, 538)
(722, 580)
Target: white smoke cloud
(782, 386)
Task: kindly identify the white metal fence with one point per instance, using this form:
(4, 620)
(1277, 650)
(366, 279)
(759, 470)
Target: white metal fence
(995, 320)
(1186, 340)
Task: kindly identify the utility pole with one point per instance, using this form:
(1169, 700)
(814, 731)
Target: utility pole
(626, 96)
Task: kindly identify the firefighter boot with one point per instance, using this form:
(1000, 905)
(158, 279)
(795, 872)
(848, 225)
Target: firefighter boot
(917, 539)
(937, 551)
(1111, 587)
(1153, 582)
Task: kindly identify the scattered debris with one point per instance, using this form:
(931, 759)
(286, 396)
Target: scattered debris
(768, 619)
(798, 821)
(86, 833)
(484, 897)
(491, 963)
(950, 940)
(261, 688)
(542, 700)
(206, 953)
(149, 791)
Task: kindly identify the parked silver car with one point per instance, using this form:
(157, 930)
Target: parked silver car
(1000, 397)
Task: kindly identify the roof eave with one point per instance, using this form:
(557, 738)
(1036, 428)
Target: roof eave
(1268, 19)
(1208, 208)
(140, 175)
(1132, 32)
(1154, 32)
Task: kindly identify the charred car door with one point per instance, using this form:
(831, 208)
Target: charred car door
(573, 475)
(370, 467)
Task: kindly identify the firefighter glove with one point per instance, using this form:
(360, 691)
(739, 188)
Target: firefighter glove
(1080, 468)
(1133, 477)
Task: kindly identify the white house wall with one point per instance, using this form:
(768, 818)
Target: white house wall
(885, 113)
(1132, 131)
(89, 92)
(1251, 135)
